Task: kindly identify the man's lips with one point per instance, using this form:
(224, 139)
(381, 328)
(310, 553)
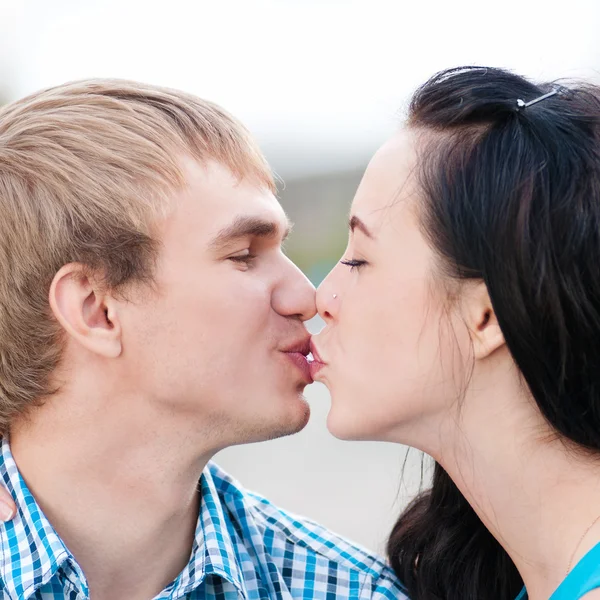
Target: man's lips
(302, 346)
(302, 363)
(297, 353)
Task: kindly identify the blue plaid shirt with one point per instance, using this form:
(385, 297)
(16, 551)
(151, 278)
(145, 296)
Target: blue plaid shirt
(245, 549)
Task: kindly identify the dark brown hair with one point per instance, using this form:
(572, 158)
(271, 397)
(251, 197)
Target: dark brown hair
(511, 196)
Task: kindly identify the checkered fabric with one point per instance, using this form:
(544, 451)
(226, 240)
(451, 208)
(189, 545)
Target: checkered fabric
(245, 549)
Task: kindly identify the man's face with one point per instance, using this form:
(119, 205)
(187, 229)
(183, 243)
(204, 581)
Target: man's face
(214, 345)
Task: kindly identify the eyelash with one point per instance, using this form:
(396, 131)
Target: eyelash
(247, 259)
(353, 264)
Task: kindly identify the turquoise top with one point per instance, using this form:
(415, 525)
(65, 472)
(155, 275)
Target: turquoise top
(522, 594)
(584, 578)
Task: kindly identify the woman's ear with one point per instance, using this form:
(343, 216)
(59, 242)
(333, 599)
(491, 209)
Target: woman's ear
(481, 320)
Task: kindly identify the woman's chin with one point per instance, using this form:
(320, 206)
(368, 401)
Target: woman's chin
(348, 426)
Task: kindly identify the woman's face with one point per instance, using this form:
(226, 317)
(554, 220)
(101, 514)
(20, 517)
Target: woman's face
(393, 351)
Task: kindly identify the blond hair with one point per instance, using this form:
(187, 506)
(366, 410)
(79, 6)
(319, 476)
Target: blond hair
(85, 170)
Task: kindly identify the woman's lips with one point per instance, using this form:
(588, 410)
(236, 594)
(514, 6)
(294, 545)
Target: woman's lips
(317, 363)
(315, 366)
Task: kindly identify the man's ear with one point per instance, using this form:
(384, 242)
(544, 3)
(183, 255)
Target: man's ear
(86, 311)
(481, 320)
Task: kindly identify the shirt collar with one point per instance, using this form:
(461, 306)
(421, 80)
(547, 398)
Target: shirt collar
(33, 553)
(214, 549)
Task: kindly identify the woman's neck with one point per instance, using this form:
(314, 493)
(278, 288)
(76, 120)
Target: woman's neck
(537, 495)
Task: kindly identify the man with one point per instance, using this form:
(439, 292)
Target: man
(148, 319)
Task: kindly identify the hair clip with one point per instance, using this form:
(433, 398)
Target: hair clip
(521, 104)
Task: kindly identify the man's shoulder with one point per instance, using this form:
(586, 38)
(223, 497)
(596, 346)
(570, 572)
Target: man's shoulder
(280, 530)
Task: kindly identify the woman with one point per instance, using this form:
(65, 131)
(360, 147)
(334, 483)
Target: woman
(464, 320)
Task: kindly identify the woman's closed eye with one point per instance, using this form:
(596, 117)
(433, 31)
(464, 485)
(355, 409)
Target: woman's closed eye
(353, 264)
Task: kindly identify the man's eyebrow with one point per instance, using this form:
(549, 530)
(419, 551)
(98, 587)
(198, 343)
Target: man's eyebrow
(249, 227)
(356, 223)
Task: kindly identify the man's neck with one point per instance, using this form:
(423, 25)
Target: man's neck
(536, 496)
(121, 492)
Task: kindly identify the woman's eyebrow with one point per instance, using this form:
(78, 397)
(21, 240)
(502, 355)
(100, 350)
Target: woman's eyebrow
(356, 223)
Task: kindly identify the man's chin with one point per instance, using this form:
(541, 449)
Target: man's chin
(305, 416)
(291, 417)
(290, 424)
(297, 422)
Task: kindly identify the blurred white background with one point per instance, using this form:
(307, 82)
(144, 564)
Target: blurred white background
(318, 81)
(321, 83)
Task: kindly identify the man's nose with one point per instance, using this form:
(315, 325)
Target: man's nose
(295, 295)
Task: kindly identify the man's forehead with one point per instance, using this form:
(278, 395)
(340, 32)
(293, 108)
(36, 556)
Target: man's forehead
(221, 196)
(216, 181)
(213, 200)
(250, 209)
